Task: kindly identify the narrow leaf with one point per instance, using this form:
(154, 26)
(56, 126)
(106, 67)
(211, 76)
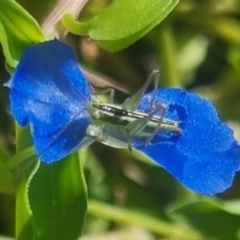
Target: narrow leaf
(17, 30)
(5, 174)
(57, 197)
(208, 217)
(24, 226)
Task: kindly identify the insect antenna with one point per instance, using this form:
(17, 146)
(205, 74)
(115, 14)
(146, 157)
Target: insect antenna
(61, 131)
(77, 90)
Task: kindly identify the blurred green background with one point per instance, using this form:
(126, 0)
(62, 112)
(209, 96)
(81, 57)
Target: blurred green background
(197, 47)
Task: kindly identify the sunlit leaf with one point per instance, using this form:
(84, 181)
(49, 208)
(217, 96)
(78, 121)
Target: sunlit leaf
(122, 22)
(18, 29)
(226, 28)
(234, 57)
(232, 206)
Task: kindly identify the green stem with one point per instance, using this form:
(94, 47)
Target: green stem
(73, 26)
(167, 53)
(157, 226)
(20, 157)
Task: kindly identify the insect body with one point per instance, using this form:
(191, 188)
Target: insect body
(115, 125)
(114, 116)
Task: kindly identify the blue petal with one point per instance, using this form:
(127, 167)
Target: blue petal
(206, 156)
(49, 91)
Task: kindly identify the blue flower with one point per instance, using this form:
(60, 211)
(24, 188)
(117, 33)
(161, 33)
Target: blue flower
(206, 156)
(47, 91)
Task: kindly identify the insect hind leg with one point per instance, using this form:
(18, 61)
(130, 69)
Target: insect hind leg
(132, 103)
(135, 127)
(102, 134)
(161, 108)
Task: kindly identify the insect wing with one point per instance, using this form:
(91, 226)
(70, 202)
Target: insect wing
(45, 92)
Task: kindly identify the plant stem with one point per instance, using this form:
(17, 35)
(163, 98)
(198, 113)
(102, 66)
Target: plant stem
(167, 53)
(157, 226)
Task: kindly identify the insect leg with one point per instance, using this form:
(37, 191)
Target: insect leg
(177, 130)
(99, 133)
(163, 112)
(132, 103)
(111, 95)
(134, 127)
(103, 135)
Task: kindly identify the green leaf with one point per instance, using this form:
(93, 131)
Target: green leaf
(21, 157)
(209, 217)
(10, 169)
(142, 157)
(4, 156)
(18, 29)
(5, 174)
(24, 225)
(226, 28)
(234, 57)
(232, 206)
(57, 197)
(117, 45)
(123, 22)
(5, 238)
